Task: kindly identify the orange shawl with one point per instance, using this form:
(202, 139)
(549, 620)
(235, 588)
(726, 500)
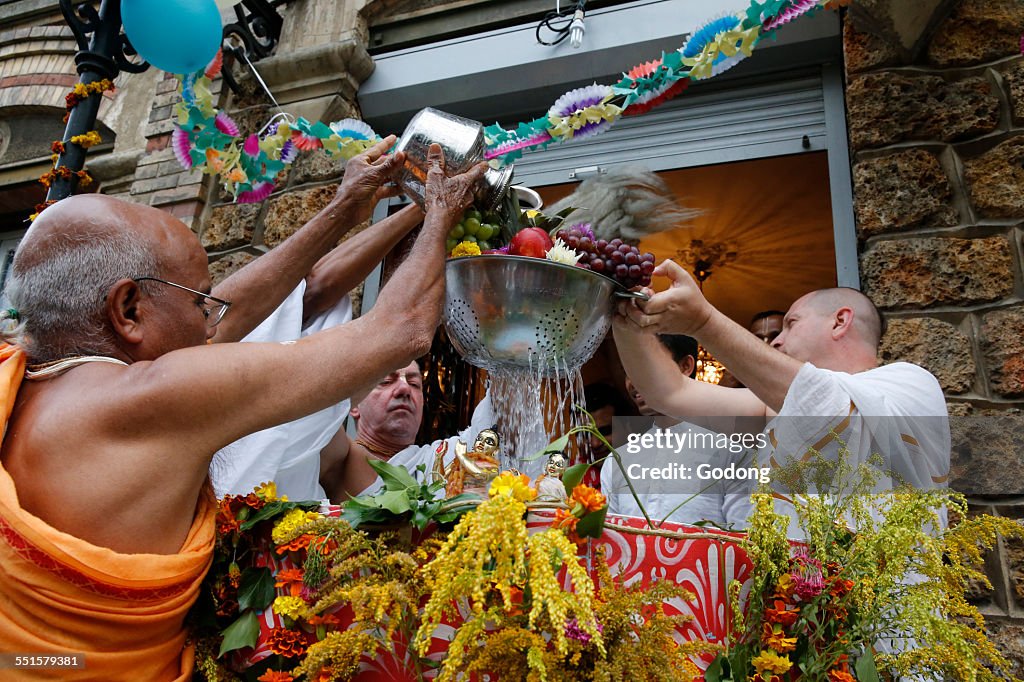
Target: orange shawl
(61, 595)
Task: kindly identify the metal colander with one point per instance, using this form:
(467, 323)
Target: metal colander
(504, 312)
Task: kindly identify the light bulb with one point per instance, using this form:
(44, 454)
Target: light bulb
(576, 29)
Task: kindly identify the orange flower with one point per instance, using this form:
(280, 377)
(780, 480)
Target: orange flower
(515, 608)
(274, 676)
(286, 642)
(784, 587)
(292, 579)
(840, 676)
(781, 615)
(327, 619)
(567, 520)
(773, 637)
(590, 498)
(251, 500)
(295, 545)
(840, 587)
(325, 675)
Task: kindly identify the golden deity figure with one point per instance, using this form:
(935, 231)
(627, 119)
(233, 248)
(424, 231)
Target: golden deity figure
(549, 484)
(471, 470)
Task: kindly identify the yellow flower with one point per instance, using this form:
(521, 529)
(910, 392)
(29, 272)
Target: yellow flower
(267, 491)
(87, 140)
(291, 607)
(512, 485)
(466, 249)
(773, 637)
(286, 528)
(769, 661)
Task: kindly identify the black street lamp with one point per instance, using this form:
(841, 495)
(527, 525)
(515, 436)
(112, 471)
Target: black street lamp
(104, 51)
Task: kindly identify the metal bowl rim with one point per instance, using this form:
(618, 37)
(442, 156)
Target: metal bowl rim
(574, 268)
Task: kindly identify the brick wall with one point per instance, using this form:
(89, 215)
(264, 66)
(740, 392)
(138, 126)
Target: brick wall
(937, 139)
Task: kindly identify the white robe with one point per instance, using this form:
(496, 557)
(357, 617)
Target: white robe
(288, 454)
(897, 411)
(701, 500)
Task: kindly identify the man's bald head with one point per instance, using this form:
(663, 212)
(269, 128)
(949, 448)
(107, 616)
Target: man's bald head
(71, 257)
(868, 322)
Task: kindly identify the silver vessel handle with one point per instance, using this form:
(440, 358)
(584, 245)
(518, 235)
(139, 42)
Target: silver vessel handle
(639, 295)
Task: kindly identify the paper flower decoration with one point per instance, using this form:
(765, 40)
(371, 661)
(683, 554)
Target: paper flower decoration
(182, 147)
(259, 192)
(582, 112)
(353, 128)
(651, 84)
(795, 9)
(718, 46)
(208, 139)
(215, 65)
(225, 124)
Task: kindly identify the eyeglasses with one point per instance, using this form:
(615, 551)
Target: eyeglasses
(213, 308)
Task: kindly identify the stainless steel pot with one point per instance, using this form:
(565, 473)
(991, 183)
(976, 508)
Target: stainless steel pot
(518, 312)
(462, 141)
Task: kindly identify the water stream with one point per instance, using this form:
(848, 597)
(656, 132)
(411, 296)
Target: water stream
(525, 400)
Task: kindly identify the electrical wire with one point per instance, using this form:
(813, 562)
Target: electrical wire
(558, 22)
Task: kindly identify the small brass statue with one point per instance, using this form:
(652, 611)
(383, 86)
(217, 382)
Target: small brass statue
(549, 484)
(472, 470)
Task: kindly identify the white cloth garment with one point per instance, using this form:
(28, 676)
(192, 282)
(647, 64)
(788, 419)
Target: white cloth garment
(423, 455)
(701, 500)
(288, 454)
(897, 411)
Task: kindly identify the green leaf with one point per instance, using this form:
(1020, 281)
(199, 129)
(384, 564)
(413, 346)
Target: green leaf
(272, 509)
(865, 668)
(555, 446)
(592, 524)
(241, 634)
(573, 476)
(453, 514)
(395, 501)
(714, 671)
(256, 589)
(395, 477)
(420, 519)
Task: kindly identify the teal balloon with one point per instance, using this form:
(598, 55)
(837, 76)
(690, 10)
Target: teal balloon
(177, 36)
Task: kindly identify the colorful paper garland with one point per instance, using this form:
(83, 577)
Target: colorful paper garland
(207, 139)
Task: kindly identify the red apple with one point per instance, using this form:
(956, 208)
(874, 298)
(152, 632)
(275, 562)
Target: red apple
(530, 241)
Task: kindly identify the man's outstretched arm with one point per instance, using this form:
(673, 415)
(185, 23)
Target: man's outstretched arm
(258, 288)
(350, 263)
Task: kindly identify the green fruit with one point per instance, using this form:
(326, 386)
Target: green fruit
(485, 245)
(485, 232)
(469, 238)
(457, 231)
(473, 213)
(471, 225)
(451, 244)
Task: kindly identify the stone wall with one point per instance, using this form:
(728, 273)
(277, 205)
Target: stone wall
(936, 129)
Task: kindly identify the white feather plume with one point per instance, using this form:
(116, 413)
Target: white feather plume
(629, 202)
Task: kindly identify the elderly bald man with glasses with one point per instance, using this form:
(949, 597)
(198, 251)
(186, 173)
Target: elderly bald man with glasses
(106, 516)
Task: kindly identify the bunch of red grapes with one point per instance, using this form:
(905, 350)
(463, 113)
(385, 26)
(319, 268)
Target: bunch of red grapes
(622, 262)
